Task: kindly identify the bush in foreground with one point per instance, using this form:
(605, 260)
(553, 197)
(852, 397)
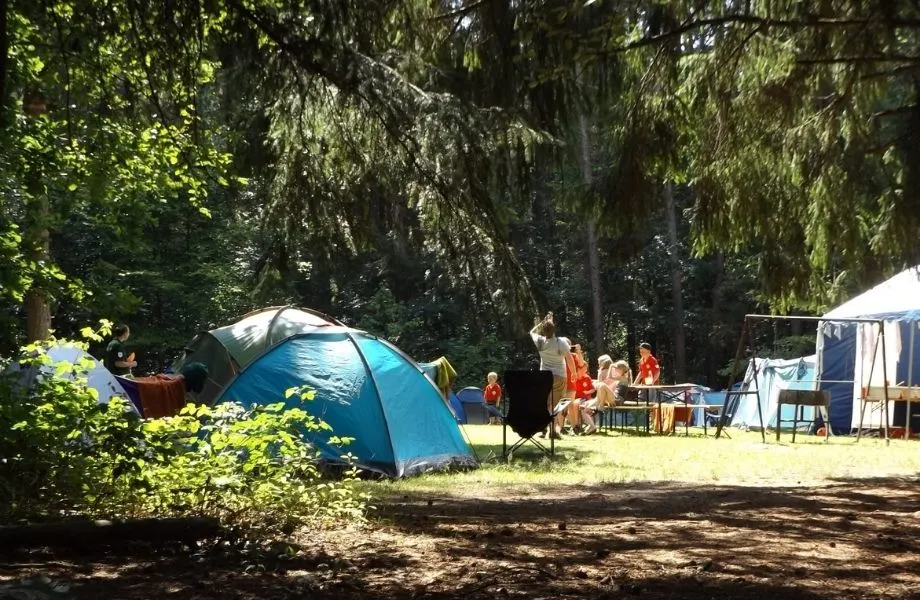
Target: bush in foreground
(63, 454)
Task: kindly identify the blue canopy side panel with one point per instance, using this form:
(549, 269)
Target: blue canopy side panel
(424, 432)
(904, 364)
(900, 408)
(838, 363)
(345, 395)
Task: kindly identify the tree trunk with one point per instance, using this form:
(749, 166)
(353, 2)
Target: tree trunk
(37, 237)
(594, 269)
(680, 344)
(38, 311)
(4, 52)
(632, 343)
(715, 320)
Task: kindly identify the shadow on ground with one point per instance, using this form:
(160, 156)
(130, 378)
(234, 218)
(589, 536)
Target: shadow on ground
(849, 539)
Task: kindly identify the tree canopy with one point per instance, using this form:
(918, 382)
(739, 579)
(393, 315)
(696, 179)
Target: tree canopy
(441, 170)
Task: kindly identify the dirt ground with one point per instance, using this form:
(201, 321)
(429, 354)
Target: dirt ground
(852, 539)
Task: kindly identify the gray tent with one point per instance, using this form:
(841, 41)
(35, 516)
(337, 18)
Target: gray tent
(228, 349)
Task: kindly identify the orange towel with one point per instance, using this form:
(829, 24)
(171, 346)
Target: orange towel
(161, 395)
(670, 414)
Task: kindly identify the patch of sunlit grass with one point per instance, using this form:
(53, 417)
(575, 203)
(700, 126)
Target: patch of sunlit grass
(630, 457)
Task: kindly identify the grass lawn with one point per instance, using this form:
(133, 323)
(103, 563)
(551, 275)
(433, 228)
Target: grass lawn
(630, 457)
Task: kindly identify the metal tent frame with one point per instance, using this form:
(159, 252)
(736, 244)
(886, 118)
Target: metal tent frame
(733, 398)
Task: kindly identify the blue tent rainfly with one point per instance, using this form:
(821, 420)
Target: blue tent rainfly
(366, 389)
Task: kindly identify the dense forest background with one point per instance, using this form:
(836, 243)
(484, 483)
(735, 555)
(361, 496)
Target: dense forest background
(440, 173)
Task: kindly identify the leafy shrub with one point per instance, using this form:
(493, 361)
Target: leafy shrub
(249, 467)
(62, 453)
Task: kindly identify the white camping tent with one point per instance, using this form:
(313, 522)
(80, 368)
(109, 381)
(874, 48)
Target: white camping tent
(845, 350)
(98, 377)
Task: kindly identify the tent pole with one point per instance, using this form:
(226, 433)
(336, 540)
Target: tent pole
(910, 377)
(819, 373)
(726, 405)
(885, 381)
(763, 430)
(386, 422)
(863, 395)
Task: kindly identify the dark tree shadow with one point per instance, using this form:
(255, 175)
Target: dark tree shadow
(849, 539)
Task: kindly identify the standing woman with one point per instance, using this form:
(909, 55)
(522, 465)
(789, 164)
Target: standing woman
(552, 351)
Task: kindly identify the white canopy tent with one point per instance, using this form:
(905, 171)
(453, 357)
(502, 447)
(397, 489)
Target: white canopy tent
(854, 359)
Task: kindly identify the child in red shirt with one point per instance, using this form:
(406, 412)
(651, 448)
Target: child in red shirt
(492, 394)
(649, 371)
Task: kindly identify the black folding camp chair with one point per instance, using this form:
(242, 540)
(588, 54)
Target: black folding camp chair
(526, 393)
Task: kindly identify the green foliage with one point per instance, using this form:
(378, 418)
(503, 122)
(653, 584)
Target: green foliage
(798, 142)
(248, 467)
(414, 167)
(64, 453)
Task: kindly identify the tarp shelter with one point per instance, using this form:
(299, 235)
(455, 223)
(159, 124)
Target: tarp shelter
(366, 389)
(97, 376)
(845, 349)
(772, 376)
(227, 350)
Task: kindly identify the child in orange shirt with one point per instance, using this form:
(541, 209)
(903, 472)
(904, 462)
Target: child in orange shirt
(492, 394)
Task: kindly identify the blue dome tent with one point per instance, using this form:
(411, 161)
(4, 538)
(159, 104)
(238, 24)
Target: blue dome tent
(366, 389)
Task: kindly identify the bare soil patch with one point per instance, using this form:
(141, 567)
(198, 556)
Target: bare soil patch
(853, 539)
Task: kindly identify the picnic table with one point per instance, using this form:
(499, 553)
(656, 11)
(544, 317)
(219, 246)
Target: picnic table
(671, 403)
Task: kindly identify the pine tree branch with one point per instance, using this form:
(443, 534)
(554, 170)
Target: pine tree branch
(461, 11)
(4, 50)
(892, 72)
(889, 144)
(766, 23)
(858, 59)
(893, 112)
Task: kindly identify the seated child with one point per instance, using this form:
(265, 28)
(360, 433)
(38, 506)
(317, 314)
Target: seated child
(606, 383)
(604, 366)
(586, 402)
(621, 377)
(492, 394)
(610, 388)
(576, 372)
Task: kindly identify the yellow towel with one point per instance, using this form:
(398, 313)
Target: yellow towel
(446, 375)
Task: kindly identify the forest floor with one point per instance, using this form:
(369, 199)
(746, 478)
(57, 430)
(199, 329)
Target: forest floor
(616, 516)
